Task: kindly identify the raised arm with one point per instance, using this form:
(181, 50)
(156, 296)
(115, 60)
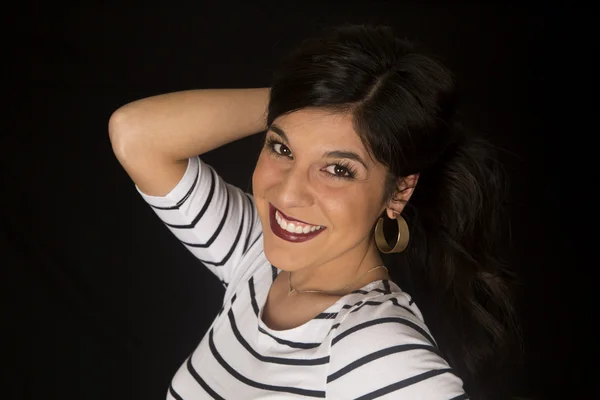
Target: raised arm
(153, 138)
(158, 140)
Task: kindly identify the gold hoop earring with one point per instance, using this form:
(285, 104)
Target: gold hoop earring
(401, 239)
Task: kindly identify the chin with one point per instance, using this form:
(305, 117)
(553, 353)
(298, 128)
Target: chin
(281, 257)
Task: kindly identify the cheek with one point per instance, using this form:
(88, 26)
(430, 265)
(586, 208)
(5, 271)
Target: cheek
(266, 175)
(355, 208)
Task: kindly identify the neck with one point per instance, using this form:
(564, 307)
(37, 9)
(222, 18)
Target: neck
(341, 271)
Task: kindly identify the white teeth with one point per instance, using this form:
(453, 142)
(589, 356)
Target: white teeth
(291, 227)
(295, 227)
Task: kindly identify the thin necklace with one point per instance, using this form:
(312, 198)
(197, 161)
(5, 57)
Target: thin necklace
(292, 290)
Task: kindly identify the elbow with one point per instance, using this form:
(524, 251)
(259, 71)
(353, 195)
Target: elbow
(121, 132)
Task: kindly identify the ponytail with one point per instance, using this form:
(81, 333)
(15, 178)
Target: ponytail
(453, 266)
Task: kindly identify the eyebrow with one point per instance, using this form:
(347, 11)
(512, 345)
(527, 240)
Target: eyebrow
(333, 154)
(346, 154)
(278, 131)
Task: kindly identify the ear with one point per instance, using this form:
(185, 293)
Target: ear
(404, 190)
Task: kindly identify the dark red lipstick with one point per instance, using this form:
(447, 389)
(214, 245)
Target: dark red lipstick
(285, 235)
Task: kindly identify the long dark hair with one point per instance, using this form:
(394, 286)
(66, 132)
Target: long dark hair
(403, 104)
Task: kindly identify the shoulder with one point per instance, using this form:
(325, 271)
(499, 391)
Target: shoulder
(382, 346)
(388, 316)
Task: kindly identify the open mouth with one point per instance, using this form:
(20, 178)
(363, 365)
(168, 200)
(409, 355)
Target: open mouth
(291, 229)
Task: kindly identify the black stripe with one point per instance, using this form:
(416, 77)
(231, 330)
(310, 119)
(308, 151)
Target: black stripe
(251, 223)
(366, 303)
(263, 386)
(402, 384)
(348, 306)
(253, 296)
(463, 396)
(329, 315)
(235, 243)
(383, 321)
(217, 231)
(185, 197)
(255, 240)
(295, 345)
(274, 360)
(386, 285)
(204, 207)
(382, 291)
(379, 354)
(274, 272)
(174, 393)
(395, 302)
(198, 379)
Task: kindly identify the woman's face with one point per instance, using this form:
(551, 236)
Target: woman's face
(315, 178)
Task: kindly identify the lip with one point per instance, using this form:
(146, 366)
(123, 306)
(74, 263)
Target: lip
(288, 236)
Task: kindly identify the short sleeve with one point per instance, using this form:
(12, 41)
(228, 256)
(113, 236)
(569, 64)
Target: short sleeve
(217, 222)
(382, 350)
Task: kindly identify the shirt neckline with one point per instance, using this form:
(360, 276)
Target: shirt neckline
(334, 308)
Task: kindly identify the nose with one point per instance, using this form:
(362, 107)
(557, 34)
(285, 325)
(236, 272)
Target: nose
(294, 189)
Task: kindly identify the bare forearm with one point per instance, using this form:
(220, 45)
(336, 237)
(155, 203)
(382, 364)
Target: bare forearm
(183, 124)
(152, 138)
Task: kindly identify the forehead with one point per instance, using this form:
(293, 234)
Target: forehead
(321, 128)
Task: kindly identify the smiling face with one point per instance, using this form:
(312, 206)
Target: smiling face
(317, 191)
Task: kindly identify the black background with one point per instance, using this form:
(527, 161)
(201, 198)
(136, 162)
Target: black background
(101, 301)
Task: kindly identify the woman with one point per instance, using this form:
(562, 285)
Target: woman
(361, 131)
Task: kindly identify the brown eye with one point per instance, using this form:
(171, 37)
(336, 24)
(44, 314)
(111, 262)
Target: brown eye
(282, 149)
(339, 171)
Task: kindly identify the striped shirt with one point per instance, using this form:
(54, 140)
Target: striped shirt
(370, 344)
